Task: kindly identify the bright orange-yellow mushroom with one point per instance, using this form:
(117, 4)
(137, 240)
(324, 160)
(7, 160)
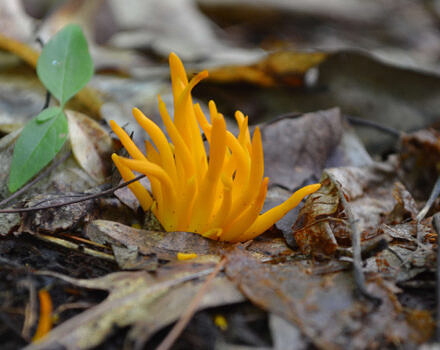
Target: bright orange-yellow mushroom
(219, 196)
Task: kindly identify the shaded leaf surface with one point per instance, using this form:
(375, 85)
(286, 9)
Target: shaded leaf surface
(296, 150)
(91, 145)
(325, 310)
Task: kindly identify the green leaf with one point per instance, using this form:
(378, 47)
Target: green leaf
(65, 65)
(37, 145)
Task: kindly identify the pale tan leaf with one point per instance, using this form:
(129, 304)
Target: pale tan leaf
(91, 145)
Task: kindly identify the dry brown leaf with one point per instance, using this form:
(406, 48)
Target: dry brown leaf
(321, 226)
(91, 145)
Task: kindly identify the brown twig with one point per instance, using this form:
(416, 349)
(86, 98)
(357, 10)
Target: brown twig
(74, 201)
(30, 315)
(190, 311)
(356, 246)
(374, 125)
(37, 179)
(433, 196)
(70, 245)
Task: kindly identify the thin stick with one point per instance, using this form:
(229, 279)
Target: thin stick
(436, 224)
(47, 100)
(374, 125)
(70, 245)
(48, 95)
(434, 194)
(37, 179)
(190, 311)
(359, 277)
(74, 201)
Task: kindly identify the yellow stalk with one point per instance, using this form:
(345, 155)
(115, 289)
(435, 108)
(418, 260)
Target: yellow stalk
(203, 122)
(266, 220)
(182, 151)
(168, 191)
(244, 136)
(205, 198)
(222, 213)
(156, 188)
(185, 206)
(161, 142)
(178, 75)
(127, 142)
(248, 193)
(190, 130)
(152, 155)
(138, 190)
(247, 217)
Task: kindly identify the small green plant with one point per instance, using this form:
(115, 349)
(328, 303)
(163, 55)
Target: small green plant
(64, 67)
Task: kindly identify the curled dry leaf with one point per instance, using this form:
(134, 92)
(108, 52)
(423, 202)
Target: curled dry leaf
(405, 208)
(406, 258)
(91, 145)
(321, 227)
(419, 158)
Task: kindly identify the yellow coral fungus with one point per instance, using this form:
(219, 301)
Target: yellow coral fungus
(220, 196)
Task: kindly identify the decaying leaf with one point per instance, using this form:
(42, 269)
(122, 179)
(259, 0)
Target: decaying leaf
(91, 145)
(164, 245)
(137, 299)
(324, 308)
(321, 226)
(55, 220)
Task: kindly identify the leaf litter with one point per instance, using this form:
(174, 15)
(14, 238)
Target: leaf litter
(301, 275)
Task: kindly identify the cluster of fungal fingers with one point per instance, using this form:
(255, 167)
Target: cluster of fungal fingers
(219, 196)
